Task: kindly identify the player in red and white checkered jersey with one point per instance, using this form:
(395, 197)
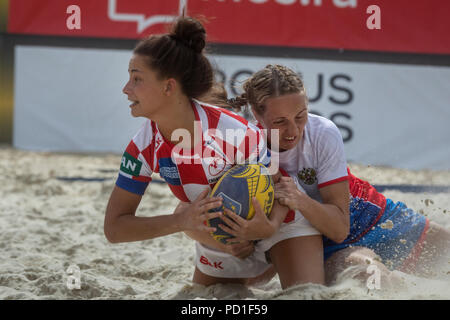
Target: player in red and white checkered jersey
(190, 145)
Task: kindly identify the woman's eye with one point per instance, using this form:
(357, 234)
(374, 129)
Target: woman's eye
(136, 79)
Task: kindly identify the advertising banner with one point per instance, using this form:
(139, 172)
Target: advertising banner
(394, 115)
(381, 25)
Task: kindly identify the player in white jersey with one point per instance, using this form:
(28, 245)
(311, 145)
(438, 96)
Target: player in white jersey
(354, 231)
(187, 143)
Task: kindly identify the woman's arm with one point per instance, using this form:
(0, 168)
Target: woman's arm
(121, 224)
(331, 218)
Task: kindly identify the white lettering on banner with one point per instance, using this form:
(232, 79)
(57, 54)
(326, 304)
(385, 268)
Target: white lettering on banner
(143, 22)
(74, 20)
(306, 2)
(374, 21)
(345, 3)
(317, 3)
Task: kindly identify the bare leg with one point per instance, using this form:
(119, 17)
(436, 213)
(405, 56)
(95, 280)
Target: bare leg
(434, 259)
(299, 260)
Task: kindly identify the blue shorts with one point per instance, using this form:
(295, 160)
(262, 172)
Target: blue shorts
(394, 236)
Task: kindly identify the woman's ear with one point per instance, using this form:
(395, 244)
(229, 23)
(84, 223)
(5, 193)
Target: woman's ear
(171, 85)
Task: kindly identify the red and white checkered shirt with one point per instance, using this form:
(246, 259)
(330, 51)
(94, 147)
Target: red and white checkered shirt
(227, 139)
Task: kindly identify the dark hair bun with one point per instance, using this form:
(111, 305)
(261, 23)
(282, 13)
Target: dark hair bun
(190, 33)
(179, 54)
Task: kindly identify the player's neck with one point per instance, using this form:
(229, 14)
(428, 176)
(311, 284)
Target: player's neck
(179, 115)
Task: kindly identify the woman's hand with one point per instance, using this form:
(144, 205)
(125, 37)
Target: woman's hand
(193, 216)
(259, 227)
(287, 193)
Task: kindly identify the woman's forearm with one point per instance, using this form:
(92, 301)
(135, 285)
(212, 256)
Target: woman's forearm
(328, 219)
(128, 227)
(278, 214)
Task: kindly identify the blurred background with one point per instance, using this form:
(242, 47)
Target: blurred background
(382, 74)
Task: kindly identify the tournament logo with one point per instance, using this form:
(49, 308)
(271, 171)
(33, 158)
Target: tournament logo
(307, 175)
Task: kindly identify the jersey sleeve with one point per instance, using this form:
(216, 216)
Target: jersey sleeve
(253, 148)
(332, 166)
(135, 171)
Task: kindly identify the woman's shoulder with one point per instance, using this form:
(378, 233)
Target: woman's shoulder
(317, 126)
(219, 117)
(145, 135)
(319, 122)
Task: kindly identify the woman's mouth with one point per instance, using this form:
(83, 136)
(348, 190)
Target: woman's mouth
(134, 104)
(290, 139)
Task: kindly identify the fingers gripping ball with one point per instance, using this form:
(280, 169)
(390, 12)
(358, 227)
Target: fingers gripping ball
(237, 187)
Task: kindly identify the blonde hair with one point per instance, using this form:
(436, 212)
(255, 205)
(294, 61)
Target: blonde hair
(272, 81)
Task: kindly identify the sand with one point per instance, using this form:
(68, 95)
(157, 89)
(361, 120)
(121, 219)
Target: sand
(49, 224)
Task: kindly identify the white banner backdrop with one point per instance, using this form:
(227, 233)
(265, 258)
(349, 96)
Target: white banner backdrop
(394, 115)
(72, 100)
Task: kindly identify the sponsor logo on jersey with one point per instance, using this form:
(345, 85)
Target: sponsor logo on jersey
(215, 264)
(307, 175)
(130, 165)
(169, 171)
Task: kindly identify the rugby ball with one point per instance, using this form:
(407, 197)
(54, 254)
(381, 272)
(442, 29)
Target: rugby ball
(237, 187)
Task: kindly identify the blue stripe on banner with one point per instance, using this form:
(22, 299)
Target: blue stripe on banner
(137, 187)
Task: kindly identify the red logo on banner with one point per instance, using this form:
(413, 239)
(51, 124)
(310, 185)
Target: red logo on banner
(142, 21)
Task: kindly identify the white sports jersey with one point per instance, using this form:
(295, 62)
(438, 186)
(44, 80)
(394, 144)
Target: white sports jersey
(318, 160)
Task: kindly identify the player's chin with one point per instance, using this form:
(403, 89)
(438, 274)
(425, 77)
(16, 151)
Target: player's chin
(288, 143)
(135, 112)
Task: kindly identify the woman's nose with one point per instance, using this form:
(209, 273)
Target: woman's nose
(125, 89)
(291, 129)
